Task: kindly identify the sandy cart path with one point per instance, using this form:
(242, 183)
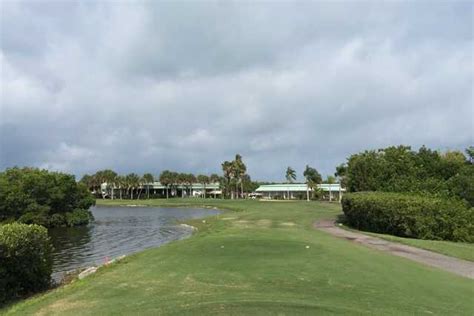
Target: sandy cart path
(458, 266)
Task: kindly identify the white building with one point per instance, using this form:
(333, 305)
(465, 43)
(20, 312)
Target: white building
(300, 190)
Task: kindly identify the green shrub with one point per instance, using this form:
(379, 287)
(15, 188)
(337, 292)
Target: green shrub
(57, 220)
(78, 217)
(70, 219)
(25, 260)
(34, 196)
(409, 215)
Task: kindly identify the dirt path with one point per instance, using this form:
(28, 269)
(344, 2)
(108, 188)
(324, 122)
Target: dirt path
(458, 266)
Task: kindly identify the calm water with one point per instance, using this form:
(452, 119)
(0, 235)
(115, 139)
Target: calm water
(118, 231)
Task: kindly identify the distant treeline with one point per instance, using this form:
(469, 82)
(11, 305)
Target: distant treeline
(233, 183)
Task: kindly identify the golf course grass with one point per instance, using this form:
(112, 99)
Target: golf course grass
(258, 258)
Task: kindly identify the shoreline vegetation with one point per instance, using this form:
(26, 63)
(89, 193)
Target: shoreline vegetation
(240, 261)
(42, 197)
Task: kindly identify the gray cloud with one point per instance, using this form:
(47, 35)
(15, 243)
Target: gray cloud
(151, 86)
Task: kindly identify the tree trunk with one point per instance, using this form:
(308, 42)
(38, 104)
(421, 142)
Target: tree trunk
(131, 192)
(120, 192)
(307, 194)
(241, 187)
(167, 192)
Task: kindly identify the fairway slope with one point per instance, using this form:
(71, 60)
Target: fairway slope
(263, 259)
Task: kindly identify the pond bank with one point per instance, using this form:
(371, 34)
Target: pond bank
(264, 259)
(118, 231)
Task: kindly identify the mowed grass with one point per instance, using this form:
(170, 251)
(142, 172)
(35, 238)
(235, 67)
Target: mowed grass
(263, 258)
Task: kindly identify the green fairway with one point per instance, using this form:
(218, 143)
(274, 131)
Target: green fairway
(259, 258)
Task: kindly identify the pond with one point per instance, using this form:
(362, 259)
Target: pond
(118, 231)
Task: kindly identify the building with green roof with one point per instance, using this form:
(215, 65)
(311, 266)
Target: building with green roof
(286, 191)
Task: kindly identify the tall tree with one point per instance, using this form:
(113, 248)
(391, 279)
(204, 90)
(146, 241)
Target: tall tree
(214, 178)
(290, 175)
(121, 182)
(174, 179)
(204, 180)
(313, 178)
(109, 177)
(190, 180)
(133, 181)
(341, 174)
(149, 179)
(166, 179)
(239, 171)
(228, 170)
(181, 181)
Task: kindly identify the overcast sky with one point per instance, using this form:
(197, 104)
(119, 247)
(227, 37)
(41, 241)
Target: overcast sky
(147, 86)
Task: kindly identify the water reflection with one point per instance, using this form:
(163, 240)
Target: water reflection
(117, 231)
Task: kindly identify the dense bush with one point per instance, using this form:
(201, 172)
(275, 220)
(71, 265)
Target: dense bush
(410, 215)
(400, 169)
(25, 260)
(78, 217)
(41, 197)
(69, 219)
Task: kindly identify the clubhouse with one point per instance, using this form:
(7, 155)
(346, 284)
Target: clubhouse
(290, 191)
(158, 189)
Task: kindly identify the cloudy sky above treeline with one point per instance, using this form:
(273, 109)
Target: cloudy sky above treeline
(147, 86)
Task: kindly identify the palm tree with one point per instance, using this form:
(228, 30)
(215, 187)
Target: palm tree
(290, 177)
(141, 182)
(239, 171)
(190, 179)
(204, 180)
(181, 180)
(120, 181)
(214, 178)
(312, 177)
(174, 179)
(133, 181)
(166, 180)
(149, 179)
(228, 169)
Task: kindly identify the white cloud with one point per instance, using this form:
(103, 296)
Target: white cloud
(148, 86)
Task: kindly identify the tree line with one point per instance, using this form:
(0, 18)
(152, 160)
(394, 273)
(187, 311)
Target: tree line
(134, 186)
(401, 169)
(234, 182)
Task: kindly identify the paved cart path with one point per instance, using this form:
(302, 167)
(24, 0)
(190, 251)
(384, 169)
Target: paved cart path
(458, 266)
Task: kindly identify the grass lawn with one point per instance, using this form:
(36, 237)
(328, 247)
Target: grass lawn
(262, 258)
